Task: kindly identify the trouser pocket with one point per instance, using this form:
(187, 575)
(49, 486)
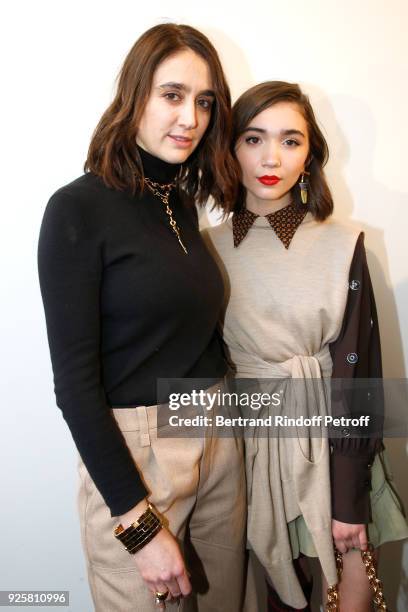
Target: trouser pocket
(170, 470)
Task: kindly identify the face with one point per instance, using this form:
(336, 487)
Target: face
(178, 110)
(272, 152)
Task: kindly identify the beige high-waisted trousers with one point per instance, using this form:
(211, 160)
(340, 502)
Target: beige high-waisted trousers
(198, 484)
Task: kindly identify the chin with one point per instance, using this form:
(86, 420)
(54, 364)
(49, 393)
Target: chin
(266, 196)
(176, 156)
(269, 194)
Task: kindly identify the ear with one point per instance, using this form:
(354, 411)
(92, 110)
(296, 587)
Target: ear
(308, 160)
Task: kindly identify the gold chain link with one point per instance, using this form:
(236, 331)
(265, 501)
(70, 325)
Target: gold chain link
(163, 193)
(333, 598)
(375, 582)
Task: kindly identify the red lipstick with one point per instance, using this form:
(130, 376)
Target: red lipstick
(268, 180)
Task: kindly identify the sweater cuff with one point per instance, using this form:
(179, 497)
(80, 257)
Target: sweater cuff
(351, 486)
(123, 504)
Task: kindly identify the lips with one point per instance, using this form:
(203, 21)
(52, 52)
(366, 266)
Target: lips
(268, 180)
(181, 141)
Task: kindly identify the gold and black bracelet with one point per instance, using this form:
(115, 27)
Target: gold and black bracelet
(139, 533)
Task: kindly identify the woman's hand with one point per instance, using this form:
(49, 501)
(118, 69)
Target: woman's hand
(161, 566)
(160, 562)
(347, 536)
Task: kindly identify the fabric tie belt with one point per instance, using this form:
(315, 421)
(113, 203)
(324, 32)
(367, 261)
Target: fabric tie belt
(289, 474)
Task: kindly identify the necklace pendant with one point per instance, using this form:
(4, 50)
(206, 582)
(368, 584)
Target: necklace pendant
(182, 246)
(163, 193)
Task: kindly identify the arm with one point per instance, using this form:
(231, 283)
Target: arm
(352, 457)
(70, 270)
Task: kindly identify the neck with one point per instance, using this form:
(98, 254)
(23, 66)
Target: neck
(266, 207)
(157, 169)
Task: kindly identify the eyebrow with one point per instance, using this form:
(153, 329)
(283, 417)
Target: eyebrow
(281, 133)
(183, 87)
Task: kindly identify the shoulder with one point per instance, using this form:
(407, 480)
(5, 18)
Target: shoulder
(86, 200)
(342, 229)
(218, 234)
(77, 210)
(218, 239)
(83, 191)
(338, 234)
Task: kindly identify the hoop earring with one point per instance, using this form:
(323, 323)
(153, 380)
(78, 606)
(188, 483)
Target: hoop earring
(303, 184)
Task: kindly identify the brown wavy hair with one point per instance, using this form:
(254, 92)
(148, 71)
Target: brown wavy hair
(211, 169)
(259, 98)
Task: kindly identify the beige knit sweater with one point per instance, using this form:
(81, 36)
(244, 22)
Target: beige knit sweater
(282, 309)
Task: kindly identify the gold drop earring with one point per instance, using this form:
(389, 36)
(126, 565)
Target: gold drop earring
(303, 184)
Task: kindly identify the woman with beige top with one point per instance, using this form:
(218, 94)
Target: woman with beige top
(300, 305)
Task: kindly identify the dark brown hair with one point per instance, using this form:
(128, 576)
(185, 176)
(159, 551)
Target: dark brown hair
(259, 98)
(211, 170)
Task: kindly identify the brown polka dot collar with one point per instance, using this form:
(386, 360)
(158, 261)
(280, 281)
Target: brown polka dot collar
(284, 223)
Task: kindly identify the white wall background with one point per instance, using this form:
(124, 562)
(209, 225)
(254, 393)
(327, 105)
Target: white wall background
(58, 63)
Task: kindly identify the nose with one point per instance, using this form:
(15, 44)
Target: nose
(188, 114)
(271, 158)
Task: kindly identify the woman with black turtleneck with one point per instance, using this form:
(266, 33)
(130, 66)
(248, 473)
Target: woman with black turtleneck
(132, 295)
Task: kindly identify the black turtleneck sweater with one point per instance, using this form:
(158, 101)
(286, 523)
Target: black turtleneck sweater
(124, 306)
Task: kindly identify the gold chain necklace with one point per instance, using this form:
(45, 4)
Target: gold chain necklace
(163, 193)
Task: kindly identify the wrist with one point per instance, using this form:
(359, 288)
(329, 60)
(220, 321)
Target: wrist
(134, 513)
(141, 531)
